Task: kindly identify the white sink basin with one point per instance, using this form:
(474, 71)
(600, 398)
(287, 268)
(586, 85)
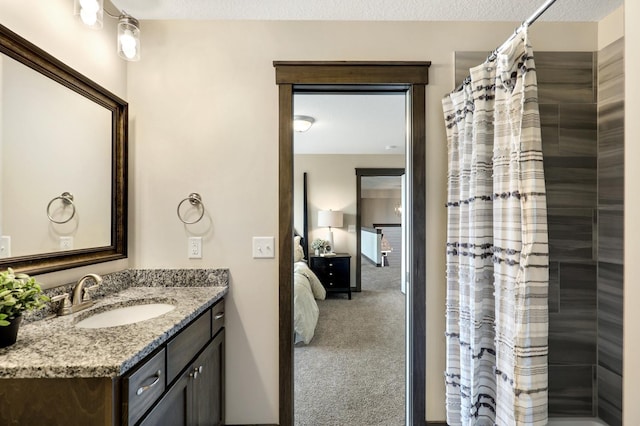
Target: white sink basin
(125, 315)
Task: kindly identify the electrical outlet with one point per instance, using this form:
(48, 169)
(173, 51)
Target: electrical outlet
(195, 248)
(66, 243)
(263, 247)
(5, 246)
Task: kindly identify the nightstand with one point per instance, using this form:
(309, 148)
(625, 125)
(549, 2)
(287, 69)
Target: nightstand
(334, 272)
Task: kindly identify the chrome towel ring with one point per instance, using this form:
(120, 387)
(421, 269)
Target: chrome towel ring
(196, 200)
(67, 199)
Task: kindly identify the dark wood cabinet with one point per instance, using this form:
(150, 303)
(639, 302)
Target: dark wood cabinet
(197, 396)
(195, 375)
(334, 272)
(180, 383)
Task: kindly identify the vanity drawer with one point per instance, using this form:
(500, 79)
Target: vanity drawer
(144, 386)
(184, 346)
(217, 317)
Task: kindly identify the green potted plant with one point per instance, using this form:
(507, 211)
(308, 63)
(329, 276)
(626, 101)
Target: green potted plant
(18, 293)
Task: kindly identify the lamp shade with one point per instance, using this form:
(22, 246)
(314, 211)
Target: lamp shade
(330, 218)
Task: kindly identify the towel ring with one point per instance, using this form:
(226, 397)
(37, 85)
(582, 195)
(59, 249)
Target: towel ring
(67, 199)
(195, 199)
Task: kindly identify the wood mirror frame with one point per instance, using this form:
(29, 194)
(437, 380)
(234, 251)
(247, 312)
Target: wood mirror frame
(37, 59)
(413, 76)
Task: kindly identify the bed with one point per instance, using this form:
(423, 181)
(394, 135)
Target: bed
(306, 285)
(306, 289)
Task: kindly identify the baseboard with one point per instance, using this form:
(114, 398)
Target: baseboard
(432, 423)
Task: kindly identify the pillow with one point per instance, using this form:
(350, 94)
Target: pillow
(298, 252)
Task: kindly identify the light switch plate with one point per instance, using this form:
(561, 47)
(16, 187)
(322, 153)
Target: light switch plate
(263, 247)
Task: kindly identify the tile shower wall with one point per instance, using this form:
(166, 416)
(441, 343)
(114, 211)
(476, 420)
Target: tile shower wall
(610, 230)
(567, 90)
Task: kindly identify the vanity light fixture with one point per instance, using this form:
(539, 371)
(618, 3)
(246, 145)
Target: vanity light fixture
(90, 12)
(302, 123)
(128, 38)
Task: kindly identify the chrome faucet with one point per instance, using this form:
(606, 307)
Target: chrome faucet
(80, 299)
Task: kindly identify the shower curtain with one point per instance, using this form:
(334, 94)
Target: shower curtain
(497, 251)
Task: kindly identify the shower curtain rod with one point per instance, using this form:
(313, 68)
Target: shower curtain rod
(530, 20)
(527, 22)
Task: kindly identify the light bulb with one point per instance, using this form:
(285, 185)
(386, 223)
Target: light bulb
(88, 17)
(128, 44)
(129, 52)
(90, 5)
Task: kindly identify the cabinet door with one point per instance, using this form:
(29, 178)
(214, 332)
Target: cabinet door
(174, 407)
(208, 384)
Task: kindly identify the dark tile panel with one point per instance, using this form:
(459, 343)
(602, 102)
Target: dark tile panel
(610, 236)
(611, 155)
(570, 234)
(611, 73)
(609, 397)
(554, 287)
(565, 77)
(571, 390)
(578, 287)
(571, 181)
(610, 316)
(549, 123)
(573, 330)
(578, 130)
(466, 60)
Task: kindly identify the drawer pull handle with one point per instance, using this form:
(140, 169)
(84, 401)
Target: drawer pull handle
(142, 389)
(219, 316)
(196, 371)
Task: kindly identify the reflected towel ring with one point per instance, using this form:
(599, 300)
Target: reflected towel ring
(195, 199)
(67, 199)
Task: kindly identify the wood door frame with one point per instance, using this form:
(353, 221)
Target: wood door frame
(414, 76)
(360, 173)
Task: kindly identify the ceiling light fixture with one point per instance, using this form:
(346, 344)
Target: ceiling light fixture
(302, 123)
(91, 13)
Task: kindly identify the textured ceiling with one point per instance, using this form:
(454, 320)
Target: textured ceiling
(368, 10)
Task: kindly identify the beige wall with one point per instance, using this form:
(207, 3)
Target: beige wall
(611, 28)
(204, 118)
(631, 368)
(51, 26)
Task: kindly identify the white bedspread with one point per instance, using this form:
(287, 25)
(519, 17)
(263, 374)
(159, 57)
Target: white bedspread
(306, 288)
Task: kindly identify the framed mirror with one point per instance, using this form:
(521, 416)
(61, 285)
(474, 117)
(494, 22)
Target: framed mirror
(63, 163)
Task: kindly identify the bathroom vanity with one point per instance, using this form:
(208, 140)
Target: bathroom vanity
(163, 370)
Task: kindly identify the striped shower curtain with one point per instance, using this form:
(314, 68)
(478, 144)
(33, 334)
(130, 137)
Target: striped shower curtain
(497, 251)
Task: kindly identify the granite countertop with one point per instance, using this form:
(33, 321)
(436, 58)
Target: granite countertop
(55, 347)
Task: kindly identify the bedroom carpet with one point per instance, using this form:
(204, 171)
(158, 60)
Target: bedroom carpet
(352, 372)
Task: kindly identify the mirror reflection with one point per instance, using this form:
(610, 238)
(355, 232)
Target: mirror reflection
(63, 163)
(52, 141)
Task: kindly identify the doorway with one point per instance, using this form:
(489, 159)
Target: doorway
(364, 173)
(409, 76)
